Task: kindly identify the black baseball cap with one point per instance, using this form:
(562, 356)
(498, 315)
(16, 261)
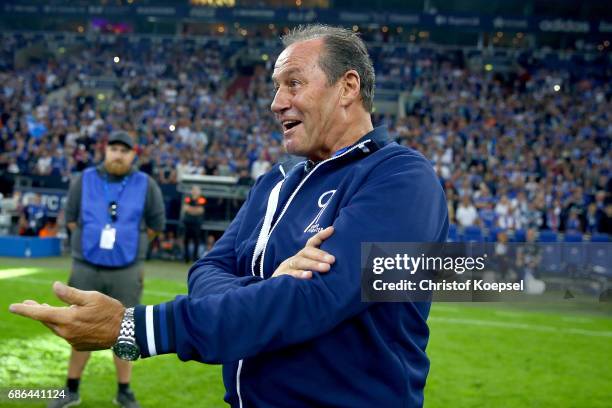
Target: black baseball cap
(121, 137)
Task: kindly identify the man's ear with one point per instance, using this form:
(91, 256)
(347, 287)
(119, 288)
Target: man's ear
(351, 88)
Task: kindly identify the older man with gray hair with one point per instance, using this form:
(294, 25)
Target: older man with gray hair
(278, 299)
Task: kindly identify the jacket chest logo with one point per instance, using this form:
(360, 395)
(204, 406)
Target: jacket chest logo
(323, 202)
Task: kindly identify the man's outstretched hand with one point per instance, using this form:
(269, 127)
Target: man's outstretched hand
(91, 322)
(309, 259)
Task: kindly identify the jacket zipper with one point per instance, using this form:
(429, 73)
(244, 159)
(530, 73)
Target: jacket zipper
(263, 252)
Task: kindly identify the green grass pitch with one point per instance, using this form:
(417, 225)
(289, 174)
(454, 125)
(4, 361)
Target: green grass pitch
(482, 355)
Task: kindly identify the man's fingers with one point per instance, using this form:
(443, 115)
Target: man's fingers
(45, 314)
(317, 239)
(53, 327)
(309, 259)
(317, 255)
(70, 295)
(304, 275)
(296, 273)
(301, 263)
(33, 302)
(299, 274)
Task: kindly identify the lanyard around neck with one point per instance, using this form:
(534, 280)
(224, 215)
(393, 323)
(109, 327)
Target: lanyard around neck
(107, 194)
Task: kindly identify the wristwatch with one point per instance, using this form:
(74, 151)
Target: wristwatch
(126, 347)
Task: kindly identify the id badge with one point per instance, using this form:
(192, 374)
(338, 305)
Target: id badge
(107, 238)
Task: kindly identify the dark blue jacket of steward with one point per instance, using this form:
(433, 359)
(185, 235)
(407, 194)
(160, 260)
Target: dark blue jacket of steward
(287, 342)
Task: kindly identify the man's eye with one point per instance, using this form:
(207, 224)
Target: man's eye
(294, 82)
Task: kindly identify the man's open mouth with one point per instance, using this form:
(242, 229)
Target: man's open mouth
(290, 124)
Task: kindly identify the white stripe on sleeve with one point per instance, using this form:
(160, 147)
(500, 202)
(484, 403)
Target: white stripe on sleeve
(150, 331)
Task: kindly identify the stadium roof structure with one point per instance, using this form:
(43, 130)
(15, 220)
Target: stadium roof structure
(585, 17)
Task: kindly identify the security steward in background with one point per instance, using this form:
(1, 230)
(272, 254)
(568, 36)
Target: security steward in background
(113, 211)
(193, 216)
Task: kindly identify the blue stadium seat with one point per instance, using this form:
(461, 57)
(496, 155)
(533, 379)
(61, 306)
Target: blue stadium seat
(547, 236)
(519, 236)
(600, 238)
(492, 235)
(574, 254)
(452, 233)
(573, 237)
(472, 234)
(551, 251)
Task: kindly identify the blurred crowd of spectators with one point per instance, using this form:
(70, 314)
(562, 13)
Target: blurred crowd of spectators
(529, 153)
(529, 149)
(171, 97)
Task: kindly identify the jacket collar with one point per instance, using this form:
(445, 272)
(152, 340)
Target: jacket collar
(372, 141)
(377, 138)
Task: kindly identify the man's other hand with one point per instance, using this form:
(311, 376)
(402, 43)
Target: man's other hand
(309, 259)
(91, 322)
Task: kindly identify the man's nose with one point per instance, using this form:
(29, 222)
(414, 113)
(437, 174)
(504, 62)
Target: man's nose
(281, 102)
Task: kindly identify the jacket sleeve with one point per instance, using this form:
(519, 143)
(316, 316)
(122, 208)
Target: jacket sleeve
(155, 213)
(73, 202)
(217, 272)
(402, 200)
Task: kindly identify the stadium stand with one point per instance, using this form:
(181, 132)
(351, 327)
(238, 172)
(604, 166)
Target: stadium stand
(528, 148)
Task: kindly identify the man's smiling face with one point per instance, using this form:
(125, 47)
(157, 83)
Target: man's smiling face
(304, 103)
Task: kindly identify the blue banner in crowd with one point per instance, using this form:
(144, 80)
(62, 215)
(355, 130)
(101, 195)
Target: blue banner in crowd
(52, 199)
(330, 16)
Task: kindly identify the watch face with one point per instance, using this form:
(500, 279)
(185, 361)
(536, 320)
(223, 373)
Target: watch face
(126, 350)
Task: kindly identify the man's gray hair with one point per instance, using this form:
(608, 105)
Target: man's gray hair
(344, 50)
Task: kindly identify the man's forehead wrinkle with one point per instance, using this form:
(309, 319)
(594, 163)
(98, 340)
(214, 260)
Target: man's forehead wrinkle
(296, 57)
(291, 67)
(298, 61)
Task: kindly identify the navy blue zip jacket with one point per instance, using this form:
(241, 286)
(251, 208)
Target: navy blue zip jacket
(288, 342)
